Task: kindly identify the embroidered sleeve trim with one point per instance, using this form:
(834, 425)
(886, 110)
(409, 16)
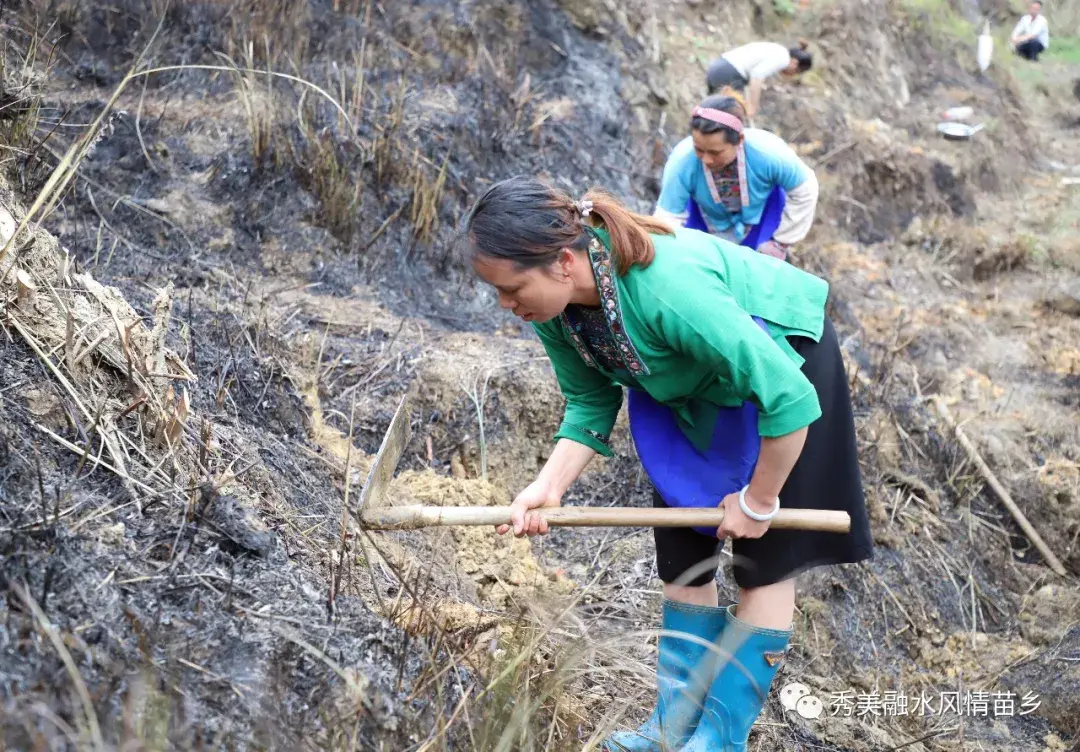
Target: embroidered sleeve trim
(605, 440)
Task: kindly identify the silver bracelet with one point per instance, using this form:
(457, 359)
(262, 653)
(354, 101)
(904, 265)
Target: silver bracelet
(752, 514)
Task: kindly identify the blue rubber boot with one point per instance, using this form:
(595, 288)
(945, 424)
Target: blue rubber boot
(750, 658)
(684, 671)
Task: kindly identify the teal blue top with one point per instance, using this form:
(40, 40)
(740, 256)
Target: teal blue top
(770, 162)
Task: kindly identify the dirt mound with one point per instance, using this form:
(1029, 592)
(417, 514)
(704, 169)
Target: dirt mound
(901, 181)
(502, 568)
(507, 382)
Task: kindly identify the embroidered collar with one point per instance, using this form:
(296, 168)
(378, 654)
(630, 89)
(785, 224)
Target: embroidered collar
(740, 161)
(604, 271)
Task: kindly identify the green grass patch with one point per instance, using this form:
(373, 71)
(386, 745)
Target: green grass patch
(1049, 76)
(1063, 50)
(941, 17)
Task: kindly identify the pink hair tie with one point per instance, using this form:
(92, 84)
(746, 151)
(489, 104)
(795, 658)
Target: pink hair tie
(721, 117)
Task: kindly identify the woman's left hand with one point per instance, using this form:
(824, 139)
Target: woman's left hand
(774, 249)
(736, 524)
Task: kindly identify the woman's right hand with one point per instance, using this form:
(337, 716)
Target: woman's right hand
(523, 518)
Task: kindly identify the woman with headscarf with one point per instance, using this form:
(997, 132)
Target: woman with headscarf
(743, 184)
(748, 409)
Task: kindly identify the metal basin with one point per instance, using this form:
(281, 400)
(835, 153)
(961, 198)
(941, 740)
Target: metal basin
(958, 131)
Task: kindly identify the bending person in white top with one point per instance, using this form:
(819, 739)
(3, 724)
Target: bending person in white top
(1031, 36)
(754, 62)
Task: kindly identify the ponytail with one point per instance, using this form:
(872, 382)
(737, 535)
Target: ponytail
(630, 241)
(528, 222)
(731, 93)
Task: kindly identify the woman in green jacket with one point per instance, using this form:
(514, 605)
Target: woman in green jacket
(720, 338)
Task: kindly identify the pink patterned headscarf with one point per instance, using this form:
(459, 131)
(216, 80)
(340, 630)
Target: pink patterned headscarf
(721, 117)
(734, 123)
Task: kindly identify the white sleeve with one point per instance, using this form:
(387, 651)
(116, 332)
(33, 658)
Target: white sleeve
(775, 60)
(1043, 31)
(676, 220)
(1019, 28)
(799, 207)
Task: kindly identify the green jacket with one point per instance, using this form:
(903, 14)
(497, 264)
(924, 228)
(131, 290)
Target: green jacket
(684, 330)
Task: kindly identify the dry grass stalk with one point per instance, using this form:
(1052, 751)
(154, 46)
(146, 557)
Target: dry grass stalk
(162, 311)
(426, 198)
(170, 431)
(261, 72)
(260, 112)
(97, 461)
(517, 706)
(21, 76)
(337, 188)
(89, 716)
(382, 228)
(69, 343)
(351, 92)
(385, 143)
(335, 575)
(349, 7)
(1006, 498)
(284, 21)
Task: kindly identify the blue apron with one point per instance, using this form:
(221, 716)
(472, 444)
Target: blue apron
(683, 476)
(771, 215)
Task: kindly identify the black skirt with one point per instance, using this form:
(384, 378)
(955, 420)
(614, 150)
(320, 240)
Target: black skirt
(721, 73)
(826, 476)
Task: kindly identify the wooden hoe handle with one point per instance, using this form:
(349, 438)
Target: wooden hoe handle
(413, 517)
